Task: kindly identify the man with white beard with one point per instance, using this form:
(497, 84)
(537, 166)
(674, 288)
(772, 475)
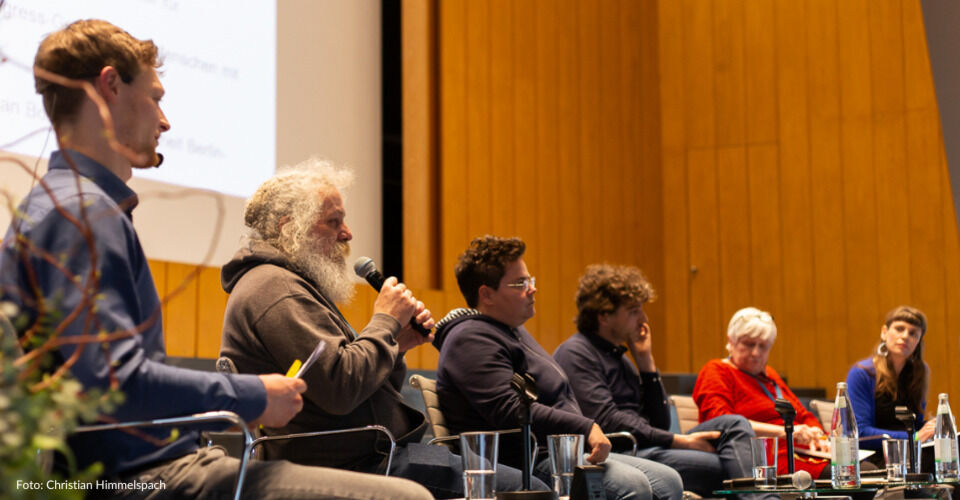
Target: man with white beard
(284, 285)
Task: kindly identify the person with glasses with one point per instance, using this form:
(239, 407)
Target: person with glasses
(484, 346)
(625, 396)
(895, 375)
(744, 384)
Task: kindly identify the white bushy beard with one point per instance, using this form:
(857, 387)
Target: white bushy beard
(326, 265)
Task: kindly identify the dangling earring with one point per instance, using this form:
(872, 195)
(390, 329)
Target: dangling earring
(882, 349)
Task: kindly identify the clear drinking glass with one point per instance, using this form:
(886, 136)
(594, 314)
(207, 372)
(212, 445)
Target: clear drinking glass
(479, 453)
(566, 453)
(764, 462)
(895, 454)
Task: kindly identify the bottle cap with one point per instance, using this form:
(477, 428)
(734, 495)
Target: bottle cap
(841, 385)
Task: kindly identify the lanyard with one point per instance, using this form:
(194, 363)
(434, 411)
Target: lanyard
(762, 385)
(767, 391)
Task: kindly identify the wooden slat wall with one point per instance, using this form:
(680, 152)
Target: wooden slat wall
(765, 152)
(545, 133)
(787, 151)
(805, 152)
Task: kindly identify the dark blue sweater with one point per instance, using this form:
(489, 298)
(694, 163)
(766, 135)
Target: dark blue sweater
(478, 357)
(610, 390)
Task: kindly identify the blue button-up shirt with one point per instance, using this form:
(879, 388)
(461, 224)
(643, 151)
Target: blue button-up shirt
(87, 235)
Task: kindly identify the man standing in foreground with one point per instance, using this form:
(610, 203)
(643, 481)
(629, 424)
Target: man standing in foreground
(480, 352)
(72, 253)
(610, 389)
(284, 285)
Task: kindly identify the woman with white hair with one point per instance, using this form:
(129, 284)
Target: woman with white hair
(743, 384)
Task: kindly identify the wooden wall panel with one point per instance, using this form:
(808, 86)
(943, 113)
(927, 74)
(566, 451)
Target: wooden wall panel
(675, 298)
(502, 120)
(211, 303)
(704, 256)
(841, 139)
(733, 224)
(420, 187)
(544, 260)
(696, 21)
(180, 310)
(859, 191)
(478, 106)
(526, 124)
(829, 290)
(760, 79)
(730, 89)
(588, 96)
(453, 142)
(610, 156)
(766, 287)
(571, 216)
(795, 188)
(541, 119)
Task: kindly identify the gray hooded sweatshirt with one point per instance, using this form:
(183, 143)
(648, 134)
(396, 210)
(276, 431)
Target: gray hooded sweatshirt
(276, 315)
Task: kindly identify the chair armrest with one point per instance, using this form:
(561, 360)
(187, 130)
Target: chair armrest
(368, 428)
(624, 435)
(210, 416)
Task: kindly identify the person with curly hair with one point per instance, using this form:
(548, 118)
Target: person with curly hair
(482, 349)
(895, 375)
(625, 396)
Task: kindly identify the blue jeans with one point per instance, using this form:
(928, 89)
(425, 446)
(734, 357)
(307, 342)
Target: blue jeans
(628, 477)
(704, 472)
(441, 472)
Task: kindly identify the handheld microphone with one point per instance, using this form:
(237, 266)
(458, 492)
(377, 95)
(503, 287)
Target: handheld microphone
(367, 269)
(800, 480)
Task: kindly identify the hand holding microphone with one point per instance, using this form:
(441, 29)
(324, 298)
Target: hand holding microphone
(395, 298)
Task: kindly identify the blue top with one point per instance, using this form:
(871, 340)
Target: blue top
(612, 392)
(125, 301)
(861, 386)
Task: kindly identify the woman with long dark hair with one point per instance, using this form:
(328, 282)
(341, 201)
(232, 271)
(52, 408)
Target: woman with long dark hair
(895, 375)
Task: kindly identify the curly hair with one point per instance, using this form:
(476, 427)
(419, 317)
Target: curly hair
(918, 375)
(80, 51)
(285, 207)
(484, 263)
(604, 288)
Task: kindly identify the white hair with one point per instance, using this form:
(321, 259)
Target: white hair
(752, 323)
(283, 209)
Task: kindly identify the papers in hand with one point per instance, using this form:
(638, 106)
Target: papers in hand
(311, 360)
